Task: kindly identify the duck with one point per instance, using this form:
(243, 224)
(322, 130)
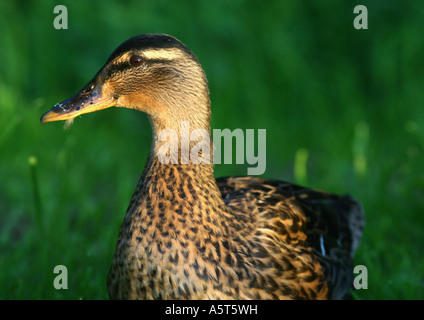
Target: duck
(188, 235)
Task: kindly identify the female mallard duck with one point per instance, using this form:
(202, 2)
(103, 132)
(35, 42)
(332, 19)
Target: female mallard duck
(188, 236)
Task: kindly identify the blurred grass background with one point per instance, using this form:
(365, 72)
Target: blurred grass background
(343, 110)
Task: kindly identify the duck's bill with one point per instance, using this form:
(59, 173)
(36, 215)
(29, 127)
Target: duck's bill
(89, 99)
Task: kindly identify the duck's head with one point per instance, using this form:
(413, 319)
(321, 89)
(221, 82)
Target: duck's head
(153, 73)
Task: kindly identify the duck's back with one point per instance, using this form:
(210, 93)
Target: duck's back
(305, 239)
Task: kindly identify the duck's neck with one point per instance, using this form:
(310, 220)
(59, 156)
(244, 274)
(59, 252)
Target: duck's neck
(178, 196)
(176, 202)
(180, 140)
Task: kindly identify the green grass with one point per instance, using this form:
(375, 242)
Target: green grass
(343, 111)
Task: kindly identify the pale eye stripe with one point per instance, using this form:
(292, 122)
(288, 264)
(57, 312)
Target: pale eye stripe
(162, 54)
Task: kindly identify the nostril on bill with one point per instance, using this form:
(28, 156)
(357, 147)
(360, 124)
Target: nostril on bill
(88, 89)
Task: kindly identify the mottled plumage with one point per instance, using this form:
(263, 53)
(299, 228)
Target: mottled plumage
(186, 235)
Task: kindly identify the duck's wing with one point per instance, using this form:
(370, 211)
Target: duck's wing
(330, 226)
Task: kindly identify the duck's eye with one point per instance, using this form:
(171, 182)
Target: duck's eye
(136, 60)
